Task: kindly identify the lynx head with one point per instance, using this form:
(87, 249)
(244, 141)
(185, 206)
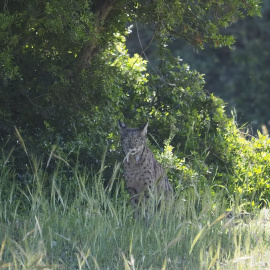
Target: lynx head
(133, 140)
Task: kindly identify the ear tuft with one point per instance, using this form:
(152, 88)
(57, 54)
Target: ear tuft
(121, 126)
(144, 129)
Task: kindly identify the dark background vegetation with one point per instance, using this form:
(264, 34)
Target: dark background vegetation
(238, 74)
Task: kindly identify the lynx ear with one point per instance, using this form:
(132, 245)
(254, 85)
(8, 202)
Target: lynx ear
(121, 126)
(144, 129)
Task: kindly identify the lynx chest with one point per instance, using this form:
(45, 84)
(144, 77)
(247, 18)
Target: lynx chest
(142, 174)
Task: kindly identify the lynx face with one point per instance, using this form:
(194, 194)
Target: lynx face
(133, 140)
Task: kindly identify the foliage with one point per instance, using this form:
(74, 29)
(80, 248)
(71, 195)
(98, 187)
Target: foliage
(198, 22)
(67, 77)
(53, 74)
(251, 169)
(239, 74)
(246, 178)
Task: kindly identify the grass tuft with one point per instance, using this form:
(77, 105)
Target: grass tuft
(74, 221)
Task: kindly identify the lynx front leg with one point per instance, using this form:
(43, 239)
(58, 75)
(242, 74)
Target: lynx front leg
(139, 201)
(134, 197)
(135, 201)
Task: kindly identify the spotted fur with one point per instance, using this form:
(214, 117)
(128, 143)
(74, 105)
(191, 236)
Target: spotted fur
(141, 170)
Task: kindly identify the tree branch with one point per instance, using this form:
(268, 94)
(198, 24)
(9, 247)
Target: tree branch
(90, 49)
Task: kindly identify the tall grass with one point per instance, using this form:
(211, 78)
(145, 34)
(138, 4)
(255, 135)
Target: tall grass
(53, 222)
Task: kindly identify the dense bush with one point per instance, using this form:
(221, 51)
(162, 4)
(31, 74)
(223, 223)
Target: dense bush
(65, 80)
(240, 165)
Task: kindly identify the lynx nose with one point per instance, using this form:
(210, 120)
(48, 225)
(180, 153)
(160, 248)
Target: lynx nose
(131, 150)
(132, 146)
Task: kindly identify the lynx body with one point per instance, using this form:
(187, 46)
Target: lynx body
(141, 170)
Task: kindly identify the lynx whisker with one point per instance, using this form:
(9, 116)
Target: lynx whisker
(133, 152)
(127, 157)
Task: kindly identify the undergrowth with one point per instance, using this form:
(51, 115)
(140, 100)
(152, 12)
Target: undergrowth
(51, 221)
